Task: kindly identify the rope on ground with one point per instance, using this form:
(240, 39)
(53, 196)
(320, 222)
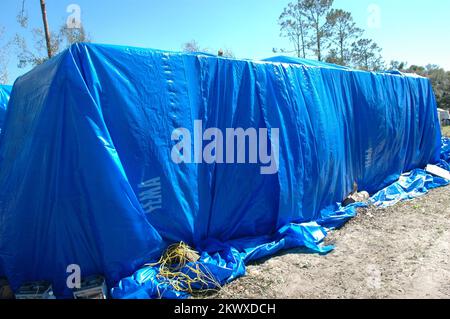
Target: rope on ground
(180, 270)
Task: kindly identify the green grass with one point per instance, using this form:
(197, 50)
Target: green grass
(446, 131)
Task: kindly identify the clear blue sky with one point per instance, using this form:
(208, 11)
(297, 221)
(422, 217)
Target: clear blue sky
(415, 31)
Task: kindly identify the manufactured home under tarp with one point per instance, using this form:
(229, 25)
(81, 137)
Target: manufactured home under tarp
(5, 92)
(103, 158)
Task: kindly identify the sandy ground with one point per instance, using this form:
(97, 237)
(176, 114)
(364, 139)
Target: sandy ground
(399, 252)
(446, 131)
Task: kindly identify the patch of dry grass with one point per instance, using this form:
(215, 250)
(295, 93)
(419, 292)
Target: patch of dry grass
(446, 131)
(396, 252)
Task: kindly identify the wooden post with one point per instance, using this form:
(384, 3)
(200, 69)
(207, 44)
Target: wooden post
(46, 30)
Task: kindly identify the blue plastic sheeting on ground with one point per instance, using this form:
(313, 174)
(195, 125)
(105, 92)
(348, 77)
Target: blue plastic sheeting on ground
(445, 154)
(409, 186)
(415, 183)
(5, 92)
(226, 261)
(88, 176)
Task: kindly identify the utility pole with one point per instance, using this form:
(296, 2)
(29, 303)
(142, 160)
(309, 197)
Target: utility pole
(46, 30)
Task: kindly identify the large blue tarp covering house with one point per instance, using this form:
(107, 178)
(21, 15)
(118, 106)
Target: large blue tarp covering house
(102, 161)
(5, 92)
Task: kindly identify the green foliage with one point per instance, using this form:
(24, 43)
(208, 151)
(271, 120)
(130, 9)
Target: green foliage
(293, 25)
(315, 26)
(4, 48)
(366, 55)
(439, 78)
(342, 30)
(397, 65)
(305, 24)
(35, 53)
(316, 12)
(193, 46)
(68, 36)
(333, 57)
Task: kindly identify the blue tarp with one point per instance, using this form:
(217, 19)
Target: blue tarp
(227, 261)
(89, 176)
(5, 92)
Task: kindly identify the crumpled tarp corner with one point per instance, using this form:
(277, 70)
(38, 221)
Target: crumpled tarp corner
(87, 178)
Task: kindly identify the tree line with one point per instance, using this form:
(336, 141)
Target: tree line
(314, 27)
(439, 78)
(36, 50)
(4, 58)
(43, 46)
(193, 46)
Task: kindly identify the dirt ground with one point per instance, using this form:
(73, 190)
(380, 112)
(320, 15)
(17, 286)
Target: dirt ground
(446, 131)
(398, 252)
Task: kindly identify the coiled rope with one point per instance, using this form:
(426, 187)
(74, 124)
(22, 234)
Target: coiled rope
(180, 269)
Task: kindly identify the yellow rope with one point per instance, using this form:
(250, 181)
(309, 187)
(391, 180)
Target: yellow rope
(178, 257)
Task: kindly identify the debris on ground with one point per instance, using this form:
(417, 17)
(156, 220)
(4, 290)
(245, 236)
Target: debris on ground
(401, 251)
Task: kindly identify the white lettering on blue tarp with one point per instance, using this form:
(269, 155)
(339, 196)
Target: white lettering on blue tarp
(150, 194)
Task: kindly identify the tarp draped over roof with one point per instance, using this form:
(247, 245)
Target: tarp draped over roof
(5, 92)
(96, 125)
